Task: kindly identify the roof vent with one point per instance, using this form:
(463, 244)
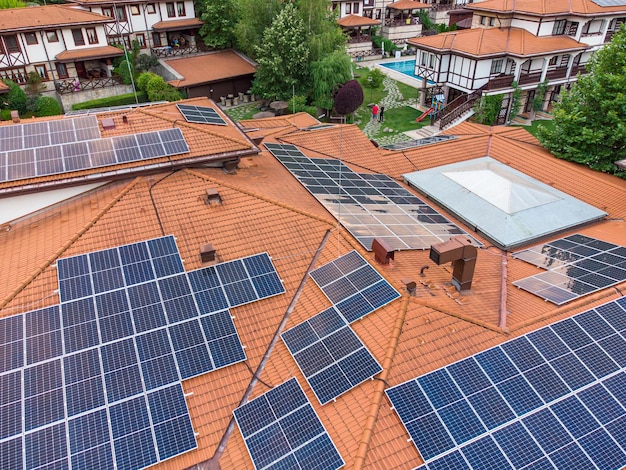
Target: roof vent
(230, 166)
(462, 254)
(207, 253)
(213, 197)
(108, 124)
(15, 116)
(382, 252)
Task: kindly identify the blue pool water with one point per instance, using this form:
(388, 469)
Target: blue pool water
(406, 67)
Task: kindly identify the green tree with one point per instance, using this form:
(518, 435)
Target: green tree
(323, 34)
(590, 119)
(48, 106)
(349, 98)
(283, 57)
(516, 100)
(254, 18)
(15, 99)
(159, 90)
(5, 4)
(536, 104)
(487, 109)
(328, 74)
(220, 17)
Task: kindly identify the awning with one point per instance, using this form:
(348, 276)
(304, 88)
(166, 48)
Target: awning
(89, 53)
(176, 25)
(352, 21)
(408, 5)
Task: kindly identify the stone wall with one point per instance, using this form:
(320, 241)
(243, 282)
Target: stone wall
(69, 99)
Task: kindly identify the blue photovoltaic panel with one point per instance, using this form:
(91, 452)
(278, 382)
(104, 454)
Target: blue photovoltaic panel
(554, 398)
(354, 286)
(370, 206)
(126, 332)
(576, 265)
(200, 114)
(282, 430)
(331, 357)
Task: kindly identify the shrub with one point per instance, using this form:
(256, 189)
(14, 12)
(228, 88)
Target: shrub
(159, 90)
(5, 114)
(119, 100)
(48, 106)
(377, 79)
(349, 98)
(15, 98)
(143, 79)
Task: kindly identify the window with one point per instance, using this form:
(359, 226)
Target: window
(355, 8)
(107, 11)
(31, 38)
(492, 21)
(11, 43)
(432, 61)
(150, 8)
(171, 12)
(41, 70)
(92, 36)
(77, 34)
(483, 20)
(141, 39)
(62, 70)
(348, 8)
(423, 59)
(496, 66)
(180, 7)
(121, 13)
(559, 28)
(52, 36)
(378, 13)
(134, 10)
(553, 60)
(156, 39)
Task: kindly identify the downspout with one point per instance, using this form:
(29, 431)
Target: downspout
(503, 294)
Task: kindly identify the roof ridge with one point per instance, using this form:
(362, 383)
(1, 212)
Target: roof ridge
(259, 196)
(68, 244)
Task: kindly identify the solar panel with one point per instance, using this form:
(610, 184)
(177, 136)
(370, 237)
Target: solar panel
(83, 154)
(200, 114)
(126, 333)
(610, 3)
(281, 430)
(409, 144)
(331, 357)
(353, 286)
(107, 109)
(576, 265)
(553, 398)
(369, 205)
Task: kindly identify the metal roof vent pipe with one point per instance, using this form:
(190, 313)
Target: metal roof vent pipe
(462, 254)
(212, 197)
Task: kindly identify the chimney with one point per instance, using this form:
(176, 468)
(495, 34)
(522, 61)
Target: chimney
(462, 254)
(382, 252)
(15, 116)
(213, 197)
(108, 124)
(207, 253)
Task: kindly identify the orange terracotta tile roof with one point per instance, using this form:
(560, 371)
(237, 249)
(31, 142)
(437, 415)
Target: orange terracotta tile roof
(209, 68)
(546, 7)
(46, 17)
(408, 5)
(177, 24)
(3, 87)
(481, 42)
(351, 21)
(265, 209)
(207, 144)
(89, 53)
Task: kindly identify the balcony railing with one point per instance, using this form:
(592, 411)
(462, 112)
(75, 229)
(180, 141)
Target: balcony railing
(557, 73)
(401, 21)
(534, 77)
(576, 69)
(609, 36)
(171, 51)
(66, 86)
(501, 81)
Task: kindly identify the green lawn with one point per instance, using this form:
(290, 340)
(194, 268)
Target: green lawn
(538, 123)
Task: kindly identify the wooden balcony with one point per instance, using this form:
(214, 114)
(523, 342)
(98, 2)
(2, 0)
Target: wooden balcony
(167, 52)
(72, 85)
(557, 73)
(501, 81)
(576, 69)
(528, 78)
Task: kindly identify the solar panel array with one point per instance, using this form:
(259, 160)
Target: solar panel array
(353, 286)
(107, 109)
(330, 355)
(43, 134)
(610, 3)
(55, 159)
(409, 144)
(282, 430)
(576, 265)
(200, 114)
(369, 205)
(130, 326)
(554, 398)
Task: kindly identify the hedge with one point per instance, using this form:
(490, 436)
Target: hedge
(119, 100)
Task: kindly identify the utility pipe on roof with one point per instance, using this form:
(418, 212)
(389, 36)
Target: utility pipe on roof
(255, 378)
(503, 293)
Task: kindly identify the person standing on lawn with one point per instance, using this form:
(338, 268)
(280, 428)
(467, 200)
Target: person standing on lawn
(381, 113)
(375, 112)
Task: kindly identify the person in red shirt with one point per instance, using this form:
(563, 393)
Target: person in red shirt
(375, 112)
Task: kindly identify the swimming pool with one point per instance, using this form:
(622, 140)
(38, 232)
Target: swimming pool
(406, 67)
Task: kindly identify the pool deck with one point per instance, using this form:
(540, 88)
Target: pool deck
(398, 76)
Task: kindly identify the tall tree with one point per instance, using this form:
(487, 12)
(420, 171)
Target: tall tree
(327, 74)
(323, 34)
(220, 17)
(254, 17)
(590, 119)
(283, 57)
